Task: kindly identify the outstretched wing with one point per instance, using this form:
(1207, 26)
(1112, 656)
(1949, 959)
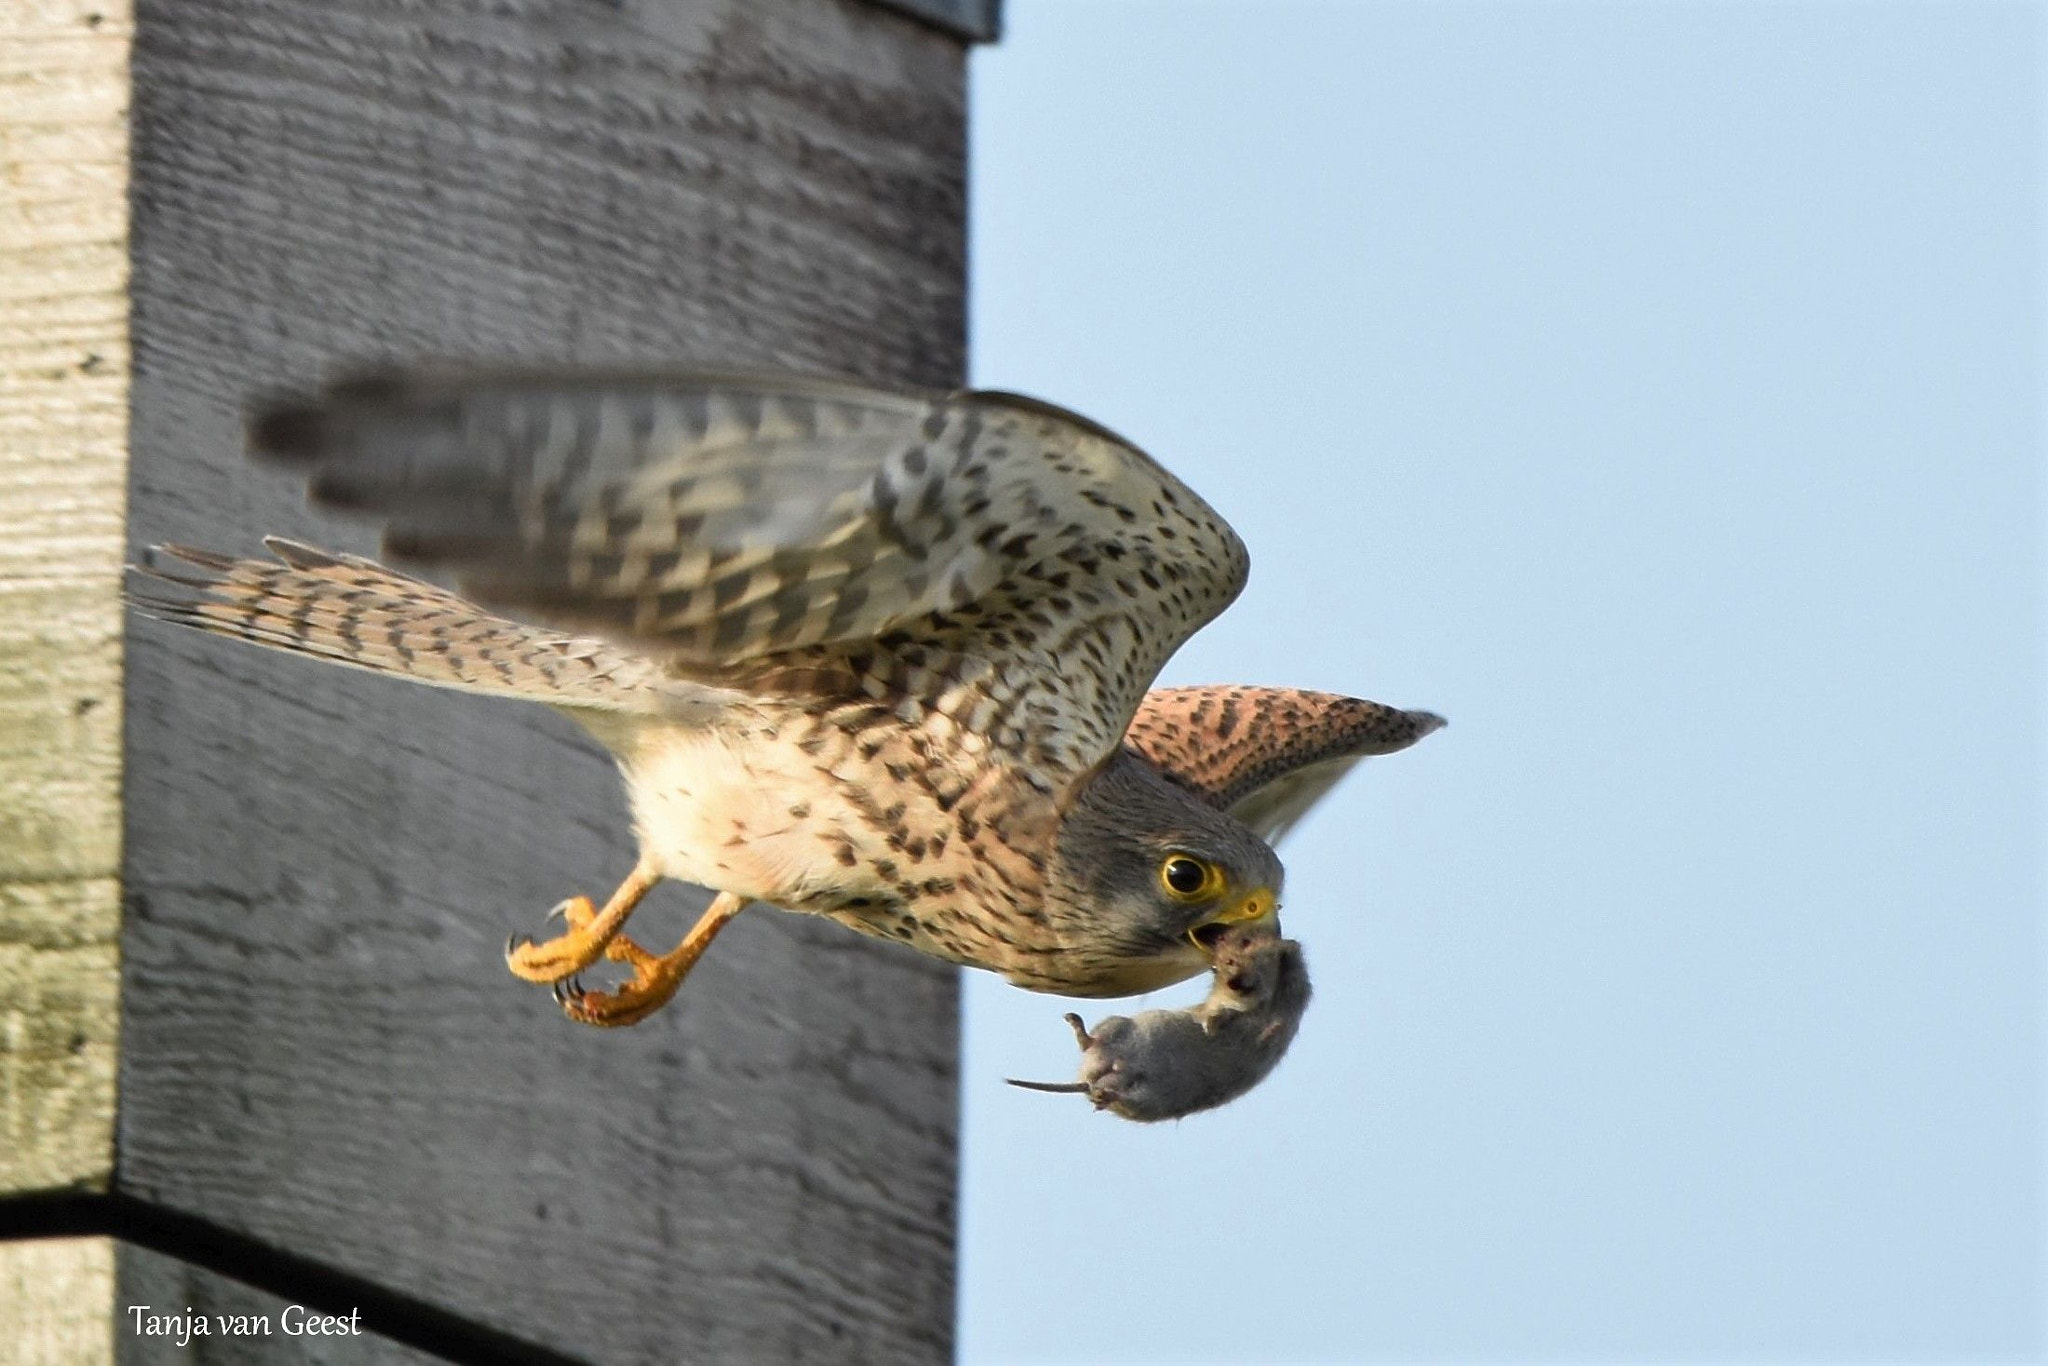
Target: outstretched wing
(1033, 563)
(348, 610)
(1266, 755)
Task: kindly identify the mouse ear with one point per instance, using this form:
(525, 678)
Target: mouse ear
(1064, 1087)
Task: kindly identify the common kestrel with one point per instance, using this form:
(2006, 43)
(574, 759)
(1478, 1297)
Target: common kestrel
(880, 656)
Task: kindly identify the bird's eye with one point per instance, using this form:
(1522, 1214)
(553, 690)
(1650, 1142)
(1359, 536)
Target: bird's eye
(1190, 879)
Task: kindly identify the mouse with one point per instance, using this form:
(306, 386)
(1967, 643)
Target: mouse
(1166, 1064)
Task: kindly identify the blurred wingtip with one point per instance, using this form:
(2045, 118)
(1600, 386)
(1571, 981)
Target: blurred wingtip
(287, 429)
(371, 384)
(292, 426)
(155, 555)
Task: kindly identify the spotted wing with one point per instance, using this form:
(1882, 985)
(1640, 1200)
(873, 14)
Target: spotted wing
(1032, 562)
(1266, 755)
(348, 610)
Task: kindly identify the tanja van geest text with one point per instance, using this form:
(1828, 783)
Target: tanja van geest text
(294, 1321)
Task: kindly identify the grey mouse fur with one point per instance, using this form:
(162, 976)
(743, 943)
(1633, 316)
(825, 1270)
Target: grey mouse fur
(1163, 1064)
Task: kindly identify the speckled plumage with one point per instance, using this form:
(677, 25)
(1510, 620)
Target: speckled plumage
(871, 655)
(1266, 754)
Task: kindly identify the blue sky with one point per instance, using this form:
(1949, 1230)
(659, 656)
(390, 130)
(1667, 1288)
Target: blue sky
(1654, 390)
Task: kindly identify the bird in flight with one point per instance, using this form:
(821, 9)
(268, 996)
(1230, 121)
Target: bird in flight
(880, 656)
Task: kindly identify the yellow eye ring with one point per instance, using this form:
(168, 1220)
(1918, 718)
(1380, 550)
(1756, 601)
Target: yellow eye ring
(1190, 879)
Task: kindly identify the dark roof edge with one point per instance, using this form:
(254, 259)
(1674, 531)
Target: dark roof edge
(978, 21)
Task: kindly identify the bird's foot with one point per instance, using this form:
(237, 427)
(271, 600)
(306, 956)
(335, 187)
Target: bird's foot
(588, 931)
(568, 953)
(655, 979)
(654, 983)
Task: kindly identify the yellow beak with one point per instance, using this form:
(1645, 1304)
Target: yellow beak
(1257, 906)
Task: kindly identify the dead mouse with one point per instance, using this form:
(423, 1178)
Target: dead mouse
(1163, 1064)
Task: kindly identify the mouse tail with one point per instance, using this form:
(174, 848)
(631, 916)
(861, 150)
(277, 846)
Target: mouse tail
(1062, 1087)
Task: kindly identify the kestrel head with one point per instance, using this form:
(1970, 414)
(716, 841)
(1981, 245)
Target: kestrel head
(1161, 870)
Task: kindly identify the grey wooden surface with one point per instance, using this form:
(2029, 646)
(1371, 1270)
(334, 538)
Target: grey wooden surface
(979, 20)
(321, 1046)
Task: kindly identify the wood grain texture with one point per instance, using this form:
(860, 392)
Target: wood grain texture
(57, 1302)
(324, 1048)
(247, 1327)
(978, 20)
(63, 418)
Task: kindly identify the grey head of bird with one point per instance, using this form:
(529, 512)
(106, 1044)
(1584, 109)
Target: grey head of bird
(1159, 873)
(1167, 1064)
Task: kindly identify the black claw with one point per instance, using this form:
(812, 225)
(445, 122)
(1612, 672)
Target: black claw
(513, 941)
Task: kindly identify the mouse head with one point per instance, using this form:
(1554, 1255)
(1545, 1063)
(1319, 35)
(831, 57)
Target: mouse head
(1257, 971)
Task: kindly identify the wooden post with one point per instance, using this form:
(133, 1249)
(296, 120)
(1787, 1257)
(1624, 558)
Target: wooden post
(287, 884)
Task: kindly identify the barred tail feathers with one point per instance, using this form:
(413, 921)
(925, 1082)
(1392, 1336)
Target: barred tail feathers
(349, 610)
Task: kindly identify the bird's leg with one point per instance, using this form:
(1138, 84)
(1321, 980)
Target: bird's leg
(655, 976)
(588, 935)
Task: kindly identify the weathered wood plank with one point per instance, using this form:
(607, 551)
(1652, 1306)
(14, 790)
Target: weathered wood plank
(56, 1302)
(63, 418)
(323, 1050)
(978, 20)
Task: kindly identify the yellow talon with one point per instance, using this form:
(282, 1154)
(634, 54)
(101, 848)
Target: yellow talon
(656, 977)
(589, 932)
